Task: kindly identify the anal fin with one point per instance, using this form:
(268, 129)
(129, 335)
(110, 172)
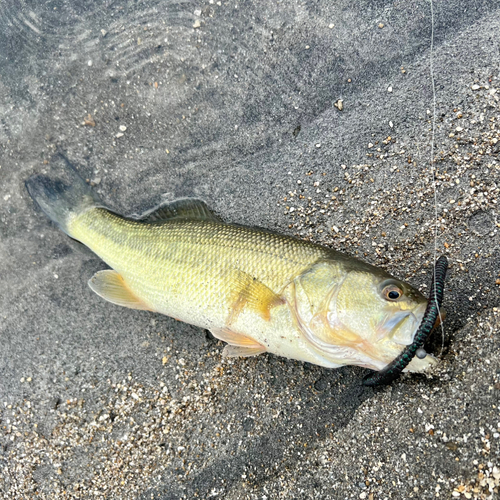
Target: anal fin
(110, 286)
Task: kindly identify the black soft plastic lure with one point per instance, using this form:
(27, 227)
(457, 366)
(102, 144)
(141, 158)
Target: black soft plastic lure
(392, 371)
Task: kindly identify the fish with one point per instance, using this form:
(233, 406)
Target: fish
(255, 289)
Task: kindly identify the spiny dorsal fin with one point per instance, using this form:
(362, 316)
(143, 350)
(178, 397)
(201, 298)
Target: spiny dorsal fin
(110, 286)
(185, 208)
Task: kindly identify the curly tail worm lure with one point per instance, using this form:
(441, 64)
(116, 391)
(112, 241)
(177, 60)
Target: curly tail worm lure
(394, 369)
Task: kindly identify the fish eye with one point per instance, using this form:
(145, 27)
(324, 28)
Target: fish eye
(392, 292)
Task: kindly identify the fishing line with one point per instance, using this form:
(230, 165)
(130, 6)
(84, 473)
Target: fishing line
(433, 310)
(433, 168)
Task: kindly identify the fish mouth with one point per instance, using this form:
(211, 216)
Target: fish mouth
(394, 322)
(419, 316)
(432, 312)
(401, 326)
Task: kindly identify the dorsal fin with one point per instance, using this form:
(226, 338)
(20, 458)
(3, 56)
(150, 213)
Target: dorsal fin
(184, 208)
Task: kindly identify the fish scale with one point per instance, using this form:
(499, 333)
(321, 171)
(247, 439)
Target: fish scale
(196, 255)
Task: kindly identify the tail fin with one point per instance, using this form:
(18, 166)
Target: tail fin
(62, 197)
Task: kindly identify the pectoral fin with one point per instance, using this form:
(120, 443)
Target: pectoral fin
(110, 286)
(250, 293)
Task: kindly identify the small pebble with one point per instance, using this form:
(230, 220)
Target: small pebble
(89, 121)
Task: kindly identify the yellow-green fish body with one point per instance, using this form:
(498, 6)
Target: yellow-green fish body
(256, 290)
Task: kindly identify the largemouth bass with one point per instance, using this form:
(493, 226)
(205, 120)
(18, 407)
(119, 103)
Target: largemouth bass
(256, 290)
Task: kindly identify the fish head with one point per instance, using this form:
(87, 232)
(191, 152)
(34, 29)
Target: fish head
(365, 316)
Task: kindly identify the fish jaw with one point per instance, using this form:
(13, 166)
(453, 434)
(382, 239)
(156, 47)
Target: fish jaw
(403, 334)
(398, 332)
(400, 327)
(418, 365)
